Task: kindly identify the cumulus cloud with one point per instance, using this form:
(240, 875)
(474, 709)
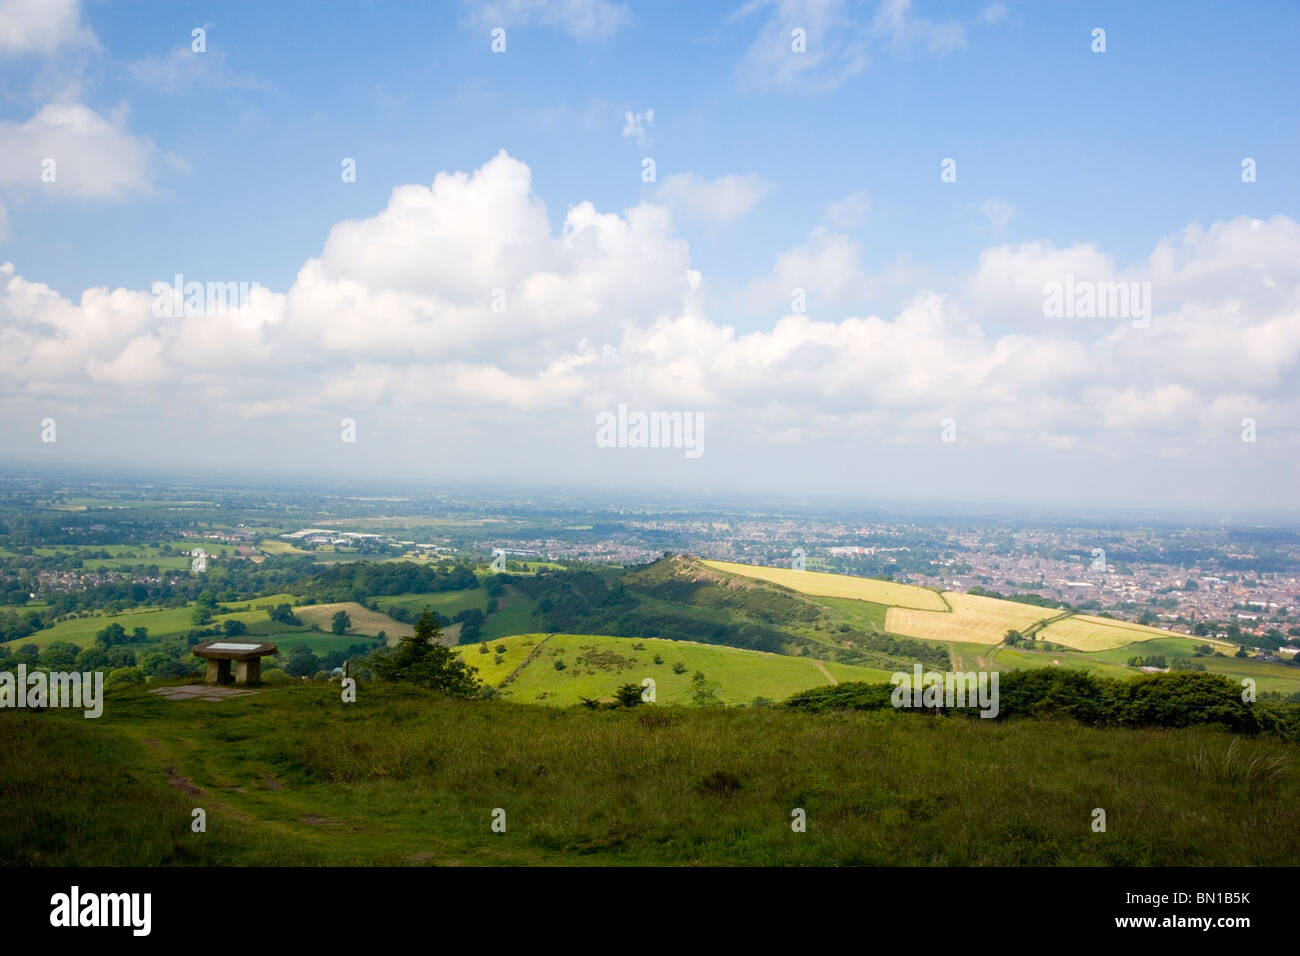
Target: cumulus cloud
(41, 26)
(458, 306)
(68, 149)
(720, 200)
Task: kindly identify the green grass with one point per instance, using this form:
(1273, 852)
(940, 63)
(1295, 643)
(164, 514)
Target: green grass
(447, 603)
(515, 618)
(161, 622)
(1114, 662)
(861, 614)
(291, 775)
(596, 665)
(489, 671)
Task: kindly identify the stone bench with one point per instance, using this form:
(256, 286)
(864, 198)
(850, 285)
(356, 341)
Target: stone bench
(247, 656)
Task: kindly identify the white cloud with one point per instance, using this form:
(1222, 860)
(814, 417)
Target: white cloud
(998, 212)
(41, 26)
(394, 320)
(580, 19)
(93, 156)
(634, 125)
(835, 47)
(720, 200)
(849, 212)
(183, 70)
(901, 29)
(839, 44)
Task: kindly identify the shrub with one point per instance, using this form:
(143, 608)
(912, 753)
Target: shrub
(628, 695)
(124, 677)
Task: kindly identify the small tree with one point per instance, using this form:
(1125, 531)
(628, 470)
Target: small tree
(629, 695)
(234, 627)
(112, 634)
(340, 623)
(302, 662)
(419, 659)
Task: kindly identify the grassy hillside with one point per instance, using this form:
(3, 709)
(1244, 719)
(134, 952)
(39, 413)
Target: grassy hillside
(364, 620)
(291, 775)
(595, 666)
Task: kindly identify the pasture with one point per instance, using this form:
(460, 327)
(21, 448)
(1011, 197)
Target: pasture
(364, 620)
(595, 666)
(1084, 632)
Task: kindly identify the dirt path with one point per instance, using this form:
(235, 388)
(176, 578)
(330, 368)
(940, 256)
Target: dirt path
(827, 674)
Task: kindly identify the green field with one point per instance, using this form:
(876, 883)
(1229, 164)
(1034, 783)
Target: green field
(446, 603)
(161, 622)
(293, 776)
(597, 665)
(515, 618)
(365, 622)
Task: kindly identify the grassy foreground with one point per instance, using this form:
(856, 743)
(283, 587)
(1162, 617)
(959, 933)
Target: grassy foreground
(291, 775)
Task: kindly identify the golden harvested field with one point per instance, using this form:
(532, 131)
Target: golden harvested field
(364, 620)
(822, 584)
(1084, 632)
(974, 619)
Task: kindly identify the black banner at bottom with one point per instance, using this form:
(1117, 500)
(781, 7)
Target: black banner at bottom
(140, 906)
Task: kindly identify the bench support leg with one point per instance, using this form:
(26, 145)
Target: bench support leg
(248, 672)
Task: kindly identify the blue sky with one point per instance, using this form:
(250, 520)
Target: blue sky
(232, 172)
(1118, 148)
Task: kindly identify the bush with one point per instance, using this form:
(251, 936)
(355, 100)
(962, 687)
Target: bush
(628, 695)
(679, 668)
(560, 665)
(124, 677)
(119, 657)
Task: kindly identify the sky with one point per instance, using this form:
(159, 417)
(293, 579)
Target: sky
(836, 237)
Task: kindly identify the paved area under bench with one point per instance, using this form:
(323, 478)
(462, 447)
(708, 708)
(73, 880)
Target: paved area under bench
(200, 691)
